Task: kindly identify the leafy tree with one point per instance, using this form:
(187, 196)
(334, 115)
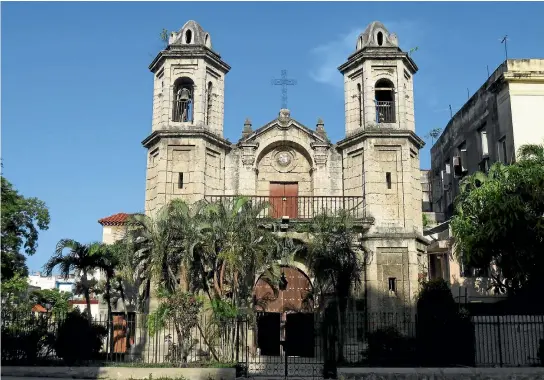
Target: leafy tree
(15, 296)
(21, 219)
(499, 221)
(52, 300)
(336, 261)
(81, 258)
(182, 310)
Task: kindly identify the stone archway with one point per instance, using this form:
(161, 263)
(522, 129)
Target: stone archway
(293, 298)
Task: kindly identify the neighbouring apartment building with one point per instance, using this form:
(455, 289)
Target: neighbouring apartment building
(38, 281)
(504, 114)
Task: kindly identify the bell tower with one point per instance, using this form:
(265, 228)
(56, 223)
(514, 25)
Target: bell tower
(381, 162)
(189, 82)
(186, 148)
(378, 83)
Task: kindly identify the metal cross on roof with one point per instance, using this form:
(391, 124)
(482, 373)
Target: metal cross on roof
(284, 82)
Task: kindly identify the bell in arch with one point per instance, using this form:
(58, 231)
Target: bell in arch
(185, 94)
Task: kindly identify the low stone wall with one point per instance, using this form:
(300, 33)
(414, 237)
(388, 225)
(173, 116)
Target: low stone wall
(440, 373)
(120, 373)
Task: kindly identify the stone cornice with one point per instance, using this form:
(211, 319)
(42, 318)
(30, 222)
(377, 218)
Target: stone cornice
(376, 132)
(190, 51)
(192, 133)
(397, 235)
(378, 54)
(292, 123)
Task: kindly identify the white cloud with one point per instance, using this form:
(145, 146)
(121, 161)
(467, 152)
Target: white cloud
(332, 54)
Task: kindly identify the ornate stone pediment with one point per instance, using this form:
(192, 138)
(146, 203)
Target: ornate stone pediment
(284, 122)
(321, 153)
(248, 153)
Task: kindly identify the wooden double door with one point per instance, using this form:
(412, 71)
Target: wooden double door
(284, 199)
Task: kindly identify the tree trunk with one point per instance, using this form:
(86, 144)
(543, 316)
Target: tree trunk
(86, 293)
(207, 343)
(180, 354)
(110, 316)
(340, 331)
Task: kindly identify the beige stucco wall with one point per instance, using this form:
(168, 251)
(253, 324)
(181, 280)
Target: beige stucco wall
(527, 103)
(110, 234)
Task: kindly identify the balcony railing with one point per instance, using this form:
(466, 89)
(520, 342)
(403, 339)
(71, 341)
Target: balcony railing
(385, 112)
(302, 207)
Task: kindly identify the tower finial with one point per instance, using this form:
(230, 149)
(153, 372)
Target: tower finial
(320, 128)
(247, 128)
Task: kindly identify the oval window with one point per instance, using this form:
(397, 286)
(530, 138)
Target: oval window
(188, 36)
(380, 38)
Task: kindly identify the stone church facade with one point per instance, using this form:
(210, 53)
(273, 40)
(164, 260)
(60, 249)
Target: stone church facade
(373, 171)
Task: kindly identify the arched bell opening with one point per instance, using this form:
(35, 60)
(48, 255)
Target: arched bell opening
(183, 104)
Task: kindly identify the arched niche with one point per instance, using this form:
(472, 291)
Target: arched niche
(284, 162)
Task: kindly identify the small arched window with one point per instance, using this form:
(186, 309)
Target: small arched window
(188, 36)
(183, 99)
(384, 95)
(209, 100)
(380, 38)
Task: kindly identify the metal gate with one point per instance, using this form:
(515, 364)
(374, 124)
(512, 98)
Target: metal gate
(286, 347)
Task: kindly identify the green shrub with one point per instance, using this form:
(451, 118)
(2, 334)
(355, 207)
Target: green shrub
(387, 347)
(26, 341)
(445, 335)
(78, 339)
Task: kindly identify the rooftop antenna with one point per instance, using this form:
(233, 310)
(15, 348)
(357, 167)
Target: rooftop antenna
(487, 66)
(451, 113)
(504, 41)
(468, 94)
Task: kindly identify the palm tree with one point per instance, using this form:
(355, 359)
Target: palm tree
(335, 262)
(157, 246)
(236, 247)
(80, 258)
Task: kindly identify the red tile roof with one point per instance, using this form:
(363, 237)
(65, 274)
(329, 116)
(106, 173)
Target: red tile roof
(114, 220)
(39, 308)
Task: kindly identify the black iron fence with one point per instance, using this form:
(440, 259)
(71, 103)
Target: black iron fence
(391, 339)
(302, 207)
(361, 339)
(125, 338)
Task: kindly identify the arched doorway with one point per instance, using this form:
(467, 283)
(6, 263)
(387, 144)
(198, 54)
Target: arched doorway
(293, 298)
(287, 341)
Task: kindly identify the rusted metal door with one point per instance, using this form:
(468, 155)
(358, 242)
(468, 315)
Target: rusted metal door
(119, 334)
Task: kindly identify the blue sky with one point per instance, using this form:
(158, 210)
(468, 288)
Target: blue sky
(76, 90)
